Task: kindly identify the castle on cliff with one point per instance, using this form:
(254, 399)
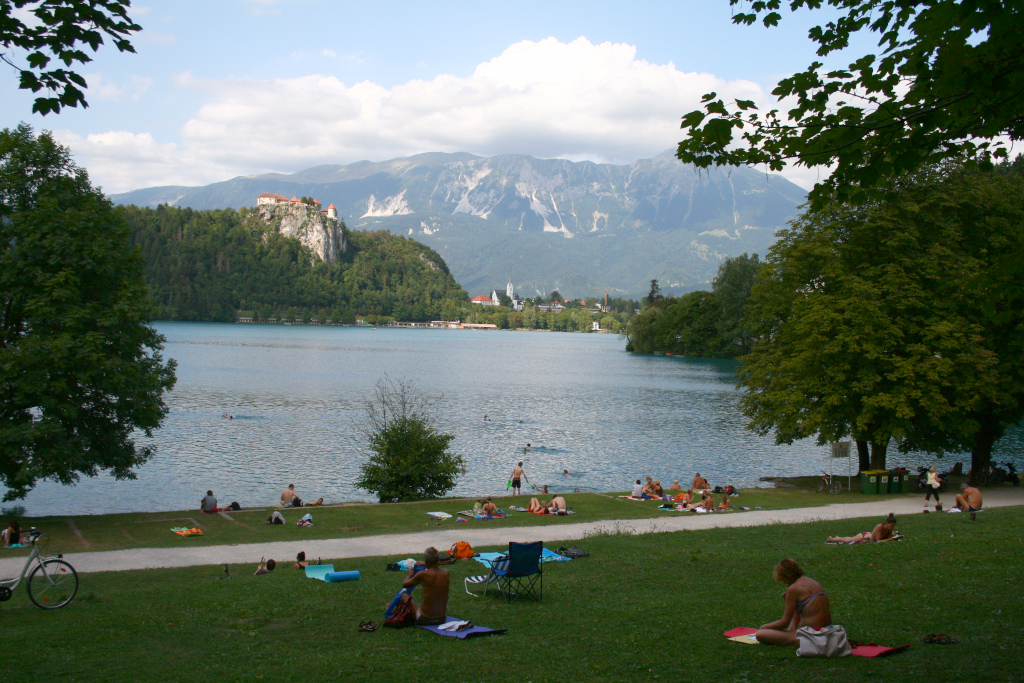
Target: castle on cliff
(275, 199)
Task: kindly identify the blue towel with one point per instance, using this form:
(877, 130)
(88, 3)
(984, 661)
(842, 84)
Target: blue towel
(319, 571)
(551, 556)
(468, 633)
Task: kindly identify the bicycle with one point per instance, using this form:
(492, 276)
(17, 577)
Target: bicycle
(51, 584)
(830, 484)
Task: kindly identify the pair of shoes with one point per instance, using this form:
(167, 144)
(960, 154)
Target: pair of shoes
(367, 626)
(940, 639)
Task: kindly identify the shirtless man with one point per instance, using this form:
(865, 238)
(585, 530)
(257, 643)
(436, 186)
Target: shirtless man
(969, 499)
(675, 486)
(288, 497)
(700, 483)
(433, 605)
(517, 474)
(557, 505)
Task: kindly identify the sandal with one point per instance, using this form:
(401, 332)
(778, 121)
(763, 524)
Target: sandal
(940, 639)
(367, 626)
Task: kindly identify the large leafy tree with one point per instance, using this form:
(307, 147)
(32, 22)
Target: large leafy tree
(80, 367)
(732, 287)
(894, 319)
(948, 82)
(59, 31)
(408, 455)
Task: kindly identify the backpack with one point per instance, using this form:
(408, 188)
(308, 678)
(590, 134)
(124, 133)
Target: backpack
(462, 551)
(573, 553)
(719, 489)
(403, 615)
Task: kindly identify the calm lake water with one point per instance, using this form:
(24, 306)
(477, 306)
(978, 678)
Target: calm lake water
(297, 395)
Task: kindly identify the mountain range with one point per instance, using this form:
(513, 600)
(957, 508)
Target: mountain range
(578, 227)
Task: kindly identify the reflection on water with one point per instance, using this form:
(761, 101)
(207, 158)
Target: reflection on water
(296, 395)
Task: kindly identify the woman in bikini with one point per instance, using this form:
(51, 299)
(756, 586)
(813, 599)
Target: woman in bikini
(806, 605)
(881, 533)
(537, 507)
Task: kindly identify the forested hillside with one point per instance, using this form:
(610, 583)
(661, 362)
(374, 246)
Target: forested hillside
(208, 265)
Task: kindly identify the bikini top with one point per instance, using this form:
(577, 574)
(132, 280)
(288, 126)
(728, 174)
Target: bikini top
(801, 604)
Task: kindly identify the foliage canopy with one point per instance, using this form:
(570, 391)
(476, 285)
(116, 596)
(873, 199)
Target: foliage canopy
(409, 456)
(80, 367)
(898, 318)
(948, 83)
(60, 31)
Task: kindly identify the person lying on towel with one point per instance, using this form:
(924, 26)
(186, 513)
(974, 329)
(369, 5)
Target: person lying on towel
(881, 533)
(434, 604)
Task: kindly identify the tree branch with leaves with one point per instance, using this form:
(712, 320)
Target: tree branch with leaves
(58, 33)
(948, 83)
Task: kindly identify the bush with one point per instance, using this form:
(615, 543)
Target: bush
(409, 457)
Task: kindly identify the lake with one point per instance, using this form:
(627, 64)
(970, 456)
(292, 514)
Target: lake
(297, 395)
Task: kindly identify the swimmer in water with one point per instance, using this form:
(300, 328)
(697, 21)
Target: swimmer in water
(565, 473)
(528, 446)
(485, 418)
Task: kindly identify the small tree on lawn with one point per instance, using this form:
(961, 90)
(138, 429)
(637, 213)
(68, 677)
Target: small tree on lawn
(409, 456)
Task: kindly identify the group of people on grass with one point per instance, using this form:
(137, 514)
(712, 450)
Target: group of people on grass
(289, 498)
(652, 490)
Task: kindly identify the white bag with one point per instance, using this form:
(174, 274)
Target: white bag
(830, 641)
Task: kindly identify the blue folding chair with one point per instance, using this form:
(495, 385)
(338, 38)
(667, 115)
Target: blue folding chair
(524, 575)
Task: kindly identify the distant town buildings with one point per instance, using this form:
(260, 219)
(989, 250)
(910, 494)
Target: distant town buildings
(495, 298)
(275, 199)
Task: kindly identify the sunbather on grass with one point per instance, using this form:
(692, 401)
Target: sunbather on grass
(300, 561)
(806, 605)
(536, 507)
(265, 568)
(725, 504)
(881, 533)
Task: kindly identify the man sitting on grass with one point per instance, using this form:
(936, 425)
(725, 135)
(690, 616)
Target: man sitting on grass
(969, 499)
(433, 606)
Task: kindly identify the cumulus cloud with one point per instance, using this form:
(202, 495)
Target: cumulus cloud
(573, 100)
(102, 89)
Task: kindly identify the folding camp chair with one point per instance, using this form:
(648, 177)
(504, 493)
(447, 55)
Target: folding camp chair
(491, 578)
(524, 575)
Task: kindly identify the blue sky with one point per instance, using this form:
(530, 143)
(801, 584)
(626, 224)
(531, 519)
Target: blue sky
(234, 87)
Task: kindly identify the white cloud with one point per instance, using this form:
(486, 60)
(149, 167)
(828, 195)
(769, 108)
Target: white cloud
(102, 89)
(328, 52)
(549, 99)
(159, 37)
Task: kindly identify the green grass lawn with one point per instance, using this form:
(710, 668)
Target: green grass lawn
(152, 530)
(646, 608)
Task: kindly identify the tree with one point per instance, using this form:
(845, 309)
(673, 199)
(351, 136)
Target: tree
(555, 296)
(409, 456)
(732, 288)
(948, 83)
(60, 31)
(886, 320)
(655, 294)
(80, 367)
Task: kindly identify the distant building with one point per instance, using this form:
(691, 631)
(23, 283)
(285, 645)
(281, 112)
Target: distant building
(517, 301)
(484, 300)
(276, 199)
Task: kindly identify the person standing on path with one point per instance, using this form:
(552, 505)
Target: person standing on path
(931, 488)
(517, 474)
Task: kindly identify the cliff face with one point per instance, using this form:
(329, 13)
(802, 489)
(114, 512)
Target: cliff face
(324, 236)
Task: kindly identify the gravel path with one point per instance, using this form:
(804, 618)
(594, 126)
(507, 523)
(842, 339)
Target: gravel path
(400, 546)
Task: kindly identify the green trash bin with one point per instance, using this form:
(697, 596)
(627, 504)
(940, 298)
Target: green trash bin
(898, 481)
(869, 481)
(883, 481)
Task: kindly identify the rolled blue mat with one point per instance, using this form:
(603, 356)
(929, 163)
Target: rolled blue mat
(334, 577)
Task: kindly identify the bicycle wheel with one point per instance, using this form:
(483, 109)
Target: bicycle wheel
(836, 488)
(821, 486)
(52, 584)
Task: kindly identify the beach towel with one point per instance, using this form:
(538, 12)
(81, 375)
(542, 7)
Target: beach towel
(465, 633)
(872, 650)
(743, 634)
(185, 531)
(551, 556)
(486, 558)
(319, 571)
(497, 516)
(440, 515)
